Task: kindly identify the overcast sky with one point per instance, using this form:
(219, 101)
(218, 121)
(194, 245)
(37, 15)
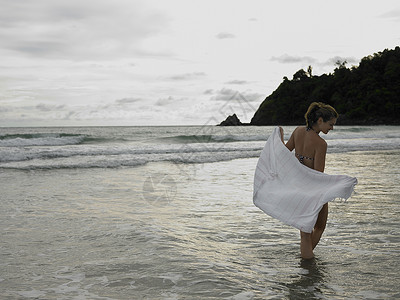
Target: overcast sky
(172, 62)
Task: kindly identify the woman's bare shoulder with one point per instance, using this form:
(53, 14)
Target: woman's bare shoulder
(320, 142)
(299, 130)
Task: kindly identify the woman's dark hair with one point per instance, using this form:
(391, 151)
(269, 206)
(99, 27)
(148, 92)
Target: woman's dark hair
(318, 110)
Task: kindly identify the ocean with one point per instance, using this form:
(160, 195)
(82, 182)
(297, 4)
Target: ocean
(167, 213)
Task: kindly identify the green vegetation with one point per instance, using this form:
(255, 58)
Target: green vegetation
(368, 94)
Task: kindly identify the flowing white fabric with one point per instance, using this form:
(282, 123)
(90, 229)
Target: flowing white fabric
(291, 192)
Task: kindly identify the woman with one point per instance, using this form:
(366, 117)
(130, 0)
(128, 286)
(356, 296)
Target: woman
(297, 193)
(310, 150)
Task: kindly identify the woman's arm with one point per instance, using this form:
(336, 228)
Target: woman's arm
(290, 142)
(320, 154)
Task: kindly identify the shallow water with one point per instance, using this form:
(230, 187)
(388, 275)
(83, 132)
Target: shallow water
(191, 231)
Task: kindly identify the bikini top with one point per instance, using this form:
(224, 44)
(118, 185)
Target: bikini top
(302, 157)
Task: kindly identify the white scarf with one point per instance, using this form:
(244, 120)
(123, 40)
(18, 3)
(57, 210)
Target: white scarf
(291, 192)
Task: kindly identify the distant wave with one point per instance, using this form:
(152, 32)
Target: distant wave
(20, 154)
(204, 138)
(50, 139)
(87, 164)
(353, 129)
(127, 160)
(38, 139)
(64, 139)
(338, 133)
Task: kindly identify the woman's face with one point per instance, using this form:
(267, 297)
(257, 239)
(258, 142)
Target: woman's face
(325, 127)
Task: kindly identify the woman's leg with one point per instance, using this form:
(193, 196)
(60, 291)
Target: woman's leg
(319, 225)
(310, 240)
(306, 249)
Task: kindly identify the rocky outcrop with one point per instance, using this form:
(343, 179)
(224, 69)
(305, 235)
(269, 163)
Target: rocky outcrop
(232, 120)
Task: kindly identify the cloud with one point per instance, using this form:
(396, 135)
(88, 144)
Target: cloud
(119, 105)
(228, 101)
(169, 100)
(393, 15)
(79, 30)
(49, 107)
(127, 100)
(332, 61)
(187, 76)
(237, 82)
(223, 94)
(68, 115)
(225, 35)
(289, 59)
(5, 109)
(208, 92)
(226, 94)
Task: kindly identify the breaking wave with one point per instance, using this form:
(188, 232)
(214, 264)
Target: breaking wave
(128, 147)
(25, 140)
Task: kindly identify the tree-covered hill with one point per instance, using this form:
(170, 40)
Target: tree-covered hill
(366, 94)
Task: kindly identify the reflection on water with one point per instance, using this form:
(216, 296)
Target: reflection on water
(308, 286)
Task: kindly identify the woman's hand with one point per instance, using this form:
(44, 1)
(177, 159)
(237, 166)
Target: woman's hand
(281, 130)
